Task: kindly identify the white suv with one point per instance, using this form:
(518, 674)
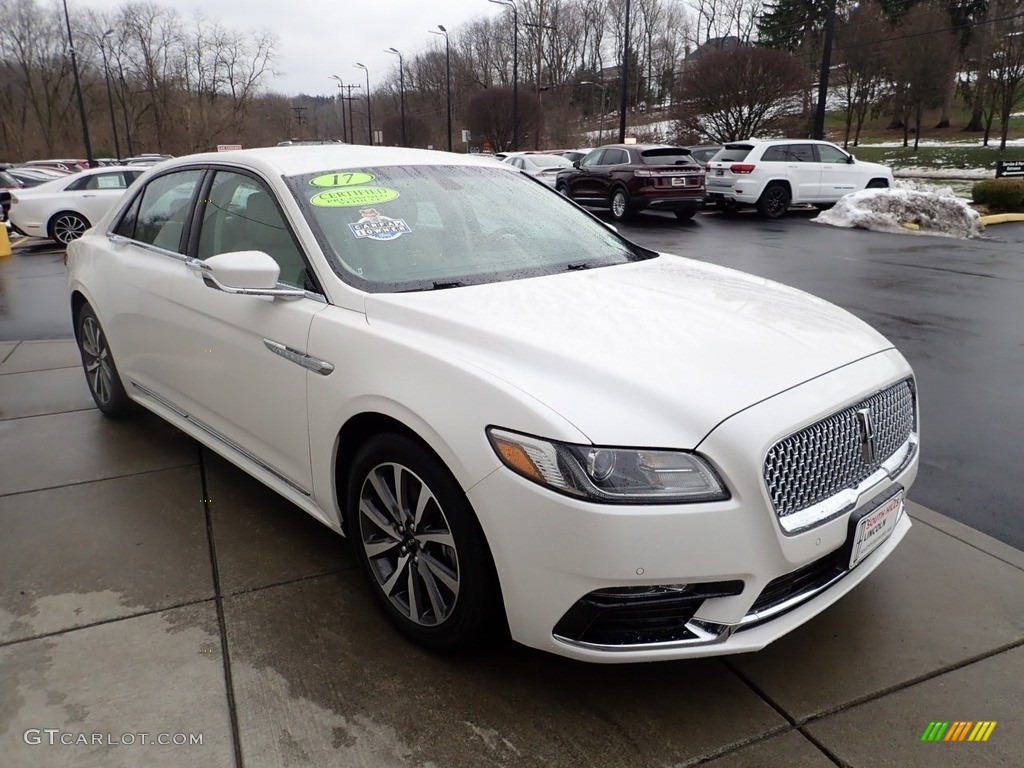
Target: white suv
(772, 175)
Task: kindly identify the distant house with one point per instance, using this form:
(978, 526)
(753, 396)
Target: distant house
(715, 44)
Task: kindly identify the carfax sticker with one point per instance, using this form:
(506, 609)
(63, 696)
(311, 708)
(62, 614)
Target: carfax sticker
(342, 179)
(374, 226)
(350, 197)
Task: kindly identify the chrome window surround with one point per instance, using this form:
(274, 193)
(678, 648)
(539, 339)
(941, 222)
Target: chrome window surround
(819, 472)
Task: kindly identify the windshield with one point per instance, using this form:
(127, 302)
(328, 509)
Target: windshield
(422, 227)
(732, 153)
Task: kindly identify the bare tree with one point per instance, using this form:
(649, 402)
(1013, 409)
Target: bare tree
(737, 93)
(1006, 72)
(859, 78)
(489, 114)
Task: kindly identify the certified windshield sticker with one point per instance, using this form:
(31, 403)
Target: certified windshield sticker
(350, 197)
(342, 179)
(377, 227)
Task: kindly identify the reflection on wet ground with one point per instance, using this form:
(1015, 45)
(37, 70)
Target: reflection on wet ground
(33, 303)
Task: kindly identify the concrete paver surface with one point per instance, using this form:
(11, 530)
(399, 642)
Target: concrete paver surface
(149, 586)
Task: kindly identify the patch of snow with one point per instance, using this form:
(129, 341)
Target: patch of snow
(918, 185)
(887, 210)
(918, 172)
(992, 141)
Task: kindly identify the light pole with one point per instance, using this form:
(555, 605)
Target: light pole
(401, 88)
(624, 96)
(604, 108)
(341, 87)
(110, 96)
(78, 89)
(448, 76)
(369, 119)
(515, 69)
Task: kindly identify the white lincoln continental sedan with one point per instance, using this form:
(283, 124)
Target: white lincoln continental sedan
(515, 414)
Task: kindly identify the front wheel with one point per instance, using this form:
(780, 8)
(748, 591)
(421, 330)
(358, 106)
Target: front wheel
(774, 202)
(621, 209)
(878, 184)
(100, 371)
(563, 190)
(420, 544)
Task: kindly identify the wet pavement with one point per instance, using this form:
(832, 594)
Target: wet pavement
(150, 587)
(951, 306)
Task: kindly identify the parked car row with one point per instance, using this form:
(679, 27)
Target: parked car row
(769, 175)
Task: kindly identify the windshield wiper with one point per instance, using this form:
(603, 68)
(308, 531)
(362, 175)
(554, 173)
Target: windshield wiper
(440, 284)
(576, 265)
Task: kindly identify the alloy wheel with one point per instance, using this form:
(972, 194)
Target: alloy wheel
(68, 227)
(619, 204)
(408, 544)
(96, 357)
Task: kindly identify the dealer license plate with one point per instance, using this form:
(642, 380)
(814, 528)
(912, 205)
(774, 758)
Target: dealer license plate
(678, 181)
(875, 526)
(719, 172)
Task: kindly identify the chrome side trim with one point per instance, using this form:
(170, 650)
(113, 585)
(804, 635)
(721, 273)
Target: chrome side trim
(218, 436)
(310, 363)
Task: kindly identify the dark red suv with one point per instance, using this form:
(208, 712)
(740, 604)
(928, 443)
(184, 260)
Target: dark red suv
(626, 178)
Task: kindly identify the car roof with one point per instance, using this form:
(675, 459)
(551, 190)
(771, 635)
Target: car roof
(300, 159)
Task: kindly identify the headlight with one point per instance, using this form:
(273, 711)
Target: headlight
(609, 475)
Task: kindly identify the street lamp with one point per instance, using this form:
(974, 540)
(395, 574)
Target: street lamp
(369, 119)
(110, 96)
(515, 69)
(341, 85)
(448, 76)
(78, 89)
(401, 87)
(604, 108)
(624, 96)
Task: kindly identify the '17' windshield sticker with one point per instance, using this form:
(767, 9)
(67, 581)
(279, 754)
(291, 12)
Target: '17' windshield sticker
(377, 227)
(350, 197)
(342, 179)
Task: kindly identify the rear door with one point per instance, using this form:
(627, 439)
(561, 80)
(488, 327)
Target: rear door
(94, 195)
(804, 172)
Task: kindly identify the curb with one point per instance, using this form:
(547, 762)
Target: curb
(1001, 218)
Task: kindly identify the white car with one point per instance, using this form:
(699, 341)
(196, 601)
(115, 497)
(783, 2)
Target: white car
(540, 165)
(64, 208)
(772, 175)
(515, 414)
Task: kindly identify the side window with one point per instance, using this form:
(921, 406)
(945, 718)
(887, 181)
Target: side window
(830, 154)
(801, 153)
(594, 158)
(241, 215)
(163, 209)
(615, 157)
(107, 181)
(776, 154)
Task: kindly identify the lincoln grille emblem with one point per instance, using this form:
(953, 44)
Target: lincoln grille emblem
(867, 435)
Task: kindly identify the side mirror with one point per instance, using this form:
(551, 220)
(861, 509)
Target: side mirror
(576, 164)
(851, 160)
(251, 270)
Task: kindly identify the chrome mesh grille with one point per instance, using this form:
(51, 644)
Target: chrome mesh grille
(821, 460)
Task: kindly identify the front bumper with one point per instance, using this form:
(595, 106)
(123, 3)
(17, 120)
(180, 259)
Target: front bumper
(551, 551)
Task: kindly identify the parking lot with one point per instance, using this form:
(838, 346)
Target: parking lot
(152, 588)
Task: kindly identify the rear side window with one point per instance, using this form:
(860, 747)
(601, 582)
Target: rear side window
(774, 154)
(800, 153)
(667, 156)
(733, 153)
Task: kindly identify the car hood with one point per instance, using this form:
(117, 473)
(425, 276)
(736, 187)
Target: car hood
(652, 353)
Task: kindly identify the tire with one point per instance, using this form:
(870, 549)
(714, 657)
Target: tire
(563, 190)
(100, 371)
(774, 201)
(824, 206)
(877, 184)
(619, 204)
(434, 577)
(727, 207)
(685, 214)
(67, 226)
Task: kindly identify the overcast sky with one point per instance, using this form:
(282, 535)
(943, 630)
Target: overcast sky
(319, 38)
